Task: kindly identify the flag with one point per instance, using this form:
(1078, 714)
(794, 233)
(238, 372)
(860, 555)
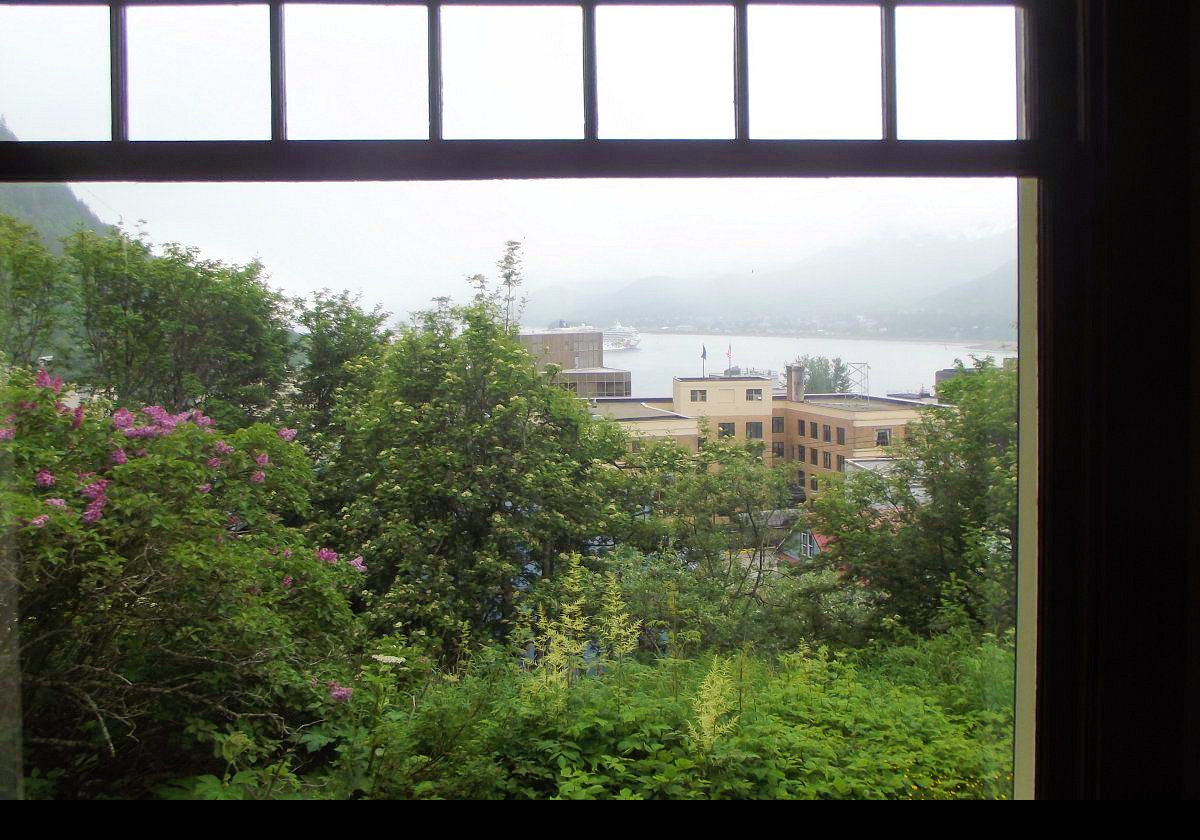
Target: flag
(703, 352)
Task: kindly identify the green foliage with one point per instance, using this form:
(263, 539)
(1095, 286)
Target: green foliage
(37, 295)
(174, 329)
(935, 537)
(162, 600)
(823, 375)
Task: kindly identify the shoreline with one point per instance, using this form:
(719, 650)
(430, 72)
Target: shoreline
(984, 345)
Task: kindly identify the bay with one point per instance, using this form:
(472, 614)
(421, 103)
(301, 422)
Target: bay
(894, 365)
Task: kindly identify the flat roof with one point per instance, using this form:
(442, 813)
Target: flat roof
(593, 370)
(859, 402)
(719, 379)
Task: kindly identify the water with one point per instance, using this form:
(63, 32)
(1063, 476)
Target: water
(895, 366)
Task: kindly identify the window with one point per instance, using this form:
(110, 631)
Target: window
(754, 394)
(724, 430)
(799, 427)
(841, 436)
(825, 433)
(812, 484)
(754, 430)
(700, 396)
(825, 460)
(841, 463)
(776, 425)
(801, 452)
(883, 437)
(800, 477)
(812, 431)
(777, 449)
(813, 452)
(808, 544)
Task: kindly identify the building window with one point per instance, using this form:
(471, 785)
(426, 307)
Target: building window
(808, 544)
(812, 430)
(826, 461)
(754, 430)
(699, 396)
(776, 425)
(813, 452)
(812, 484)
(803, 452)
(825, 435)
(724, 430)
(800, 478)
(800, 429)
(883, 437)
(777, 449)
(754, 394)
(841, 436)
(841, 462)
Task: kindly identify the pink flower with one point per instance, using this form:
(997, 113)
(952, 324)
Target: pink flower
(58, 503)
(262, 460)
(45, 478)
(96, 489)
(287, 582)
(77, 418)
(287, 434)
(94, 510)
(43, 380)
(258, 477)
(204, 488)
(119, 457)
(287, 552)
(39, 521)
(358, 565)
(223, 448)
(10, 418)
(328, 555)
(339, 693)
(7, 434)
(122, 418)
(214, 462)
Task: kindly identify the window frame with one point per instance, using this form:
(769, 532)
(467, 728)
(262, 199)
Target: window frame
(1086, 70)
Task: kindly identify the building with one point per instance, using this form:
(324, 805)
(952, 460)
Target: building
(579, 353)
(814, 434)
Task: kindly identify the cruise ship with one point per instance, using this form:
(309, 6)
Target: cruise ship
(618, 337)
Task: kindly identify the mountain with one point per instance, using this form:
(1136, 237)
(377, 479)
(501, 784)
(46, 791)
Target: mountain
(856, 289)
(51, 209)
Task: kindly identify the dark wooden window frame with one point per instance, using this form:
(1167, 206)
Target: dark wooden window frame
(1106, 130)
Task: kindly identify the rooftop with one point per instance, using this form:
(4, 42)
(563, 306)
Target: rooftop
(632, 408)
(859, 402)
(717, 379)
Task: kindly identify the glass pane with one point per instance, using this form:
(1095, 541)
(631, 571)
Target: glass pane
(199, 73)
(956, 73)
(54, 73)
(357, 72)
(665, 72)
(815, 72)
(514, 73)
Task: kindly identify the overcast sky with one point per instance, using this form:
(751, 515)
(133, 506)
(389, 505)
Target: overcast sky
(201, 73)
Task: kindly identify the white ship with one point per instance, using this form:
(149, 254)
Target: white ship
(617, 337)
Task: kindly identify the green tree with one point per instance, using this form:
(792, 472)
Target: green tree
(934, 537)
(338, 331)
(823, 375)
(38, 296)
(461, 474)
(177, 330)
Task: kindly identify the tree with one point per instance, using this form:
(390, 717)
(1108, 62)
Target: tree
(461, 474)
(338, 331)
(37, 296)
(823, 375)
(179, 331)
(935, 536)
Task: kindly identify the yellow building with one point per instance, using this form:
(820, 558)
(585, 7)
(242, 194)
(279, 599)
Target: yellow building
(814, 434)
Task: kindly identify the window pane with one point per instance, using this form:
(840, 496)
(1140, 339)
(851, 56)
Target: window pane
(665, 73)
(199, 73)
(357, 72)
(54, 73)
(956, 73)
(512, 73)
(815, 72)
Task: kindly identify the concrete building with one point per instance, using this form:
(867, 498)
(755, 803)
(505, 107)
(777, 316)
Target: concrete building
(813, 434)
(579, 353)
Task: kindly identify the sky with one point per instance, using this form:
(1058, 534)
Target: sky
(359, 72)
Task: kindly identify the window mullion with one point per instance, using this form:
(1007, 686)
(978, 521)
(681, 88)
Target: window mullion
(435, 70)
(887, 31)
(278, 80)
(118, 72)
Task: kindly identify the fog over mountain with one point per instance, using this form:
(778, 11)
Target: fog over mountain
(896, 285)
